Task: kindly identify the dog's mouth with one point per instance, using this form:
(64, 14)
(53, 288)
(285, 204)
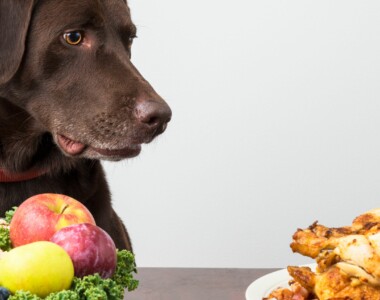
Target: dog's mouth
(75, 148)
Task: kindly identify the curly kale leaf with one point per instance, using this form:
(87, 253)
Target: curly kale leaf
(93, 287)
(24, 295)
(9, 214)
(125, 267)
(63, 295)
(5, 241)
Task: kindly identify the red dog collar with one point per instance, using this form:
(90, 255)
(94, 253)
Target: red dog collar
(23, 176)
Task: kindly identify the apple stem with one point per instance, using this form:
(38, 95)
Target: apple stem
(63, 210)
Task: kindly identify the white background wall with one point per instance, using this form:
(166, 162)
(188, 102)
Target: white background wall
(276, 124)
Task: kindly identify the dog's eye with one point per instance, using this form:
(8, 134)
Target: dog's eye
(73, 38)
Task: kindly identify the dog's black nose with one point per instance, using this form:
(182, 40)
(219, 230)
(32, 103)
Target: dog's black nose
(153, 114)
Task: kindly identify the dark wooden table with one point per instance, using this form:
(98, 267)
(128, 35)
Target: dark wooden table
(194, 284)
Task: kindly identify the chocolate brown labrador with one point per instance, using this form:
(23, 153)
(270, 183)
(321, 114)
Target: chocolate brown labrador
(70, 97)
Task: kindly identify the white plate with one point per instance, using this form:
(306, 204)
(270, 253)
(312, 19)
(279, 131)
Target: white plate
(263, 286)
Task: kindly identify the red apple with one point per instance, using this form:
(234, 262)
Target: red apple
(91, 249)
(40, 216)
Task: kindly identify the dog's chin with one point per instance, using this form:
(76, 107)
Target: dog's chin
(77, 149)
(112, 154)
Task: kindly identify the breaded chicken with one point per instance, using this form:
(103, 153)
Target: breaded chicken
(333, 284)
(348, 261)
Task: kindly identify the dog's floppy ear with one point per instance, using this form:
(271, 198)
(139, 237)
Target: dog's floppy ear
(14, 22)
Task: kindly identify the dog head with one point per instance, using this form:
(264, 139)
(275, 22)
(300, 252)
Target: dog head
(67, 64)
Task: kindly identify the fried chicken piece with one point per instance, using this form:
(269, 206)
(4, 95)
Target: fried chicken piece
(334, 284)
(366, 221)
(295, 292)
(361, 252)
(304, 276)
(358, 245)
(348, 260)
(311, 241)
(281, 294)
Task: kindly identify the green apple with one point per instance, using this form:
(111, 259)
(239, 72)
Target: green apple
(40, 267)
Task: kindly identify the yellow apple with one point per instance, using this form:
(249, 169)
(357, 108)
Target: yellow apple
(40, 267)
(40, 216)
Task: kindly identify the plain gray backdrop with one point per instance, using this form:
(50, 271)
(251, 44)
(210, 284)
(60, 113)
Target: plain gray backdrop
(276, 124)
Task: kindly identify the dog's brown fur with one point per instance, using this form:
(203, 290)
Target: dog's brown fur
(54, 95)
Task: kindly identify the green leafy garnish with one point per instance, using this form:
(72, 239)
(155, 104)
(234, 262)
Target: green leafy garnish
(23, 295)
(125, 267)
(9, 214)
(5, 241)
(93, 287)
(62, 295)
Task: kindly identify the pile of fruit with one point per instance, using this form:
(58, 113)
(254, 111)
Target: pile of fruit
(52, 249)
